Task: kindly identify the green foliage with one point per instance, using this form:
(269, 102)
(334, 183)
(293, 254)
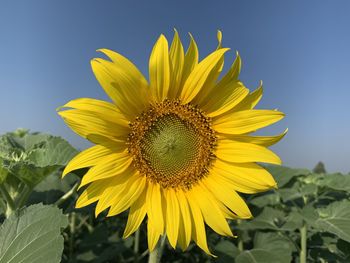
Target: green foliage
(30, 157)
(268, 247)
(33, 234)
(335, 219)
(320, 202)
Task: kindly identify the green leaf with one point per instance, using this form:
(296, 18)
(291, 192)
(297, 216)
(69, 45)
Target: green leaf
(32, 156)
(309, 214)
(257, 256)
(284, 174)
(51, 152)
(268, 247)
(272, 219)
(226, 251)
(33, 235)
(265, 220)
(337, 182)
(289, 194)
(308, 189)
(55, 182)
(271, 198)
(335, 219)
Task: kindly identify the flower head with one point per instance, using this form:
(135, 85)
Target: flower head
(176, 149)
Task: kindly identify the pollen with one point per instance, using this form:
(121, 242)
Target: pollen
(172, 144)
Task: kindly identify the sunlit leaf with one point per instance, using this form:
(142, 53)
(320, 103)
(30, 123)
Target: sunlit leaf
(284, 174)
(336, 181)
(271, 198)
(335, 218)
(32, 156)
(33, 235)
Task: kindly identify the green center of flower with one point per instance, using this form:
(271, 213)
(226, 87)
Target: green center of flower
(172, 144)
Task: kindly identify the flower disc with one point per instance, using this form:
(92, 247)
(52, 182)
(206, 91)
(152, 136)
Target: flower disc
(172, 144)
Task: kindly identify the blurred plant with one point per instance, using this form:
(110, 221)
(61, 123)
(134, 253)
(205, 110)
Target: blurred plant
(319, 168)
(307, 219)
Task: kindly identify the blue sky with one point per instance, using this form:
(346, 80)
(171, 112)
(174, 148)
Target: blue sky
(300, 49)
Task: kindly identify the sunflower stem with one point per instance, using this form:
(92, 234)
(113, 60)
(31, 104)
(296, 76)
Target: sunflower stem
(303, 244)
(156, 254)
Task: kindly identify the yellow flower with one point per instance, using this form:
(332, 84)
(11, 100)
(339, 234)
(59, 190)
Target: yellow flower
(177, 148)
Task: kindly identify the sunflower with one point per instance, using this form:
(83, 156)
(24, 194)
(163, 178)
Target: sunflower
(177, 148)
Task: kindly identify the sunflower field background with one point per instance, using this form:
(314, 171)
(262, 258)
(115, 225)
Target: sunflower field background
(310, 211)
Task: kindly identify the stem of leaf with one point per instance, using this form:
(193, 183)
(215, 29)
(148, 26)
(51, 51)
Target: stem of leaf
(136, 245)
(25, 193)
(72, 233)
(67, 195)
(10, 204)
(3, 205)
(156, 254)
(240, 241)
(303, 243)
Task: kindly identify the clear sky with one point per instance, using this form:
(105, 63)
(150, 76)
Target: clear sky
(300, 49)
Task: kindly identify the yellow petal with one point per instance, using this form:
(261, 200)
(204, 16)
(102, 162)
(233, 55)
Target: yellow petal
(121, 86)
(172, 216)
(110, 166)
(159, 69)
(152, 235)
(233, 73)
(191, 60)
(92, 193)
(122, 62)
(228, 197)
(132, 191)
(154, 206)
(210, 83)
(86, 123)
(200, 74)
(259, 140)
(212, 214)
(240, 152)
(198, 228)
(225, 211)
(100, 108)
(219, 37)
(177, 57)
(116, 186)
(136, 215)
(87, 158)
(251, 100)
(223, 98)
(245, 177)
(246, 121)
(185, 227)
